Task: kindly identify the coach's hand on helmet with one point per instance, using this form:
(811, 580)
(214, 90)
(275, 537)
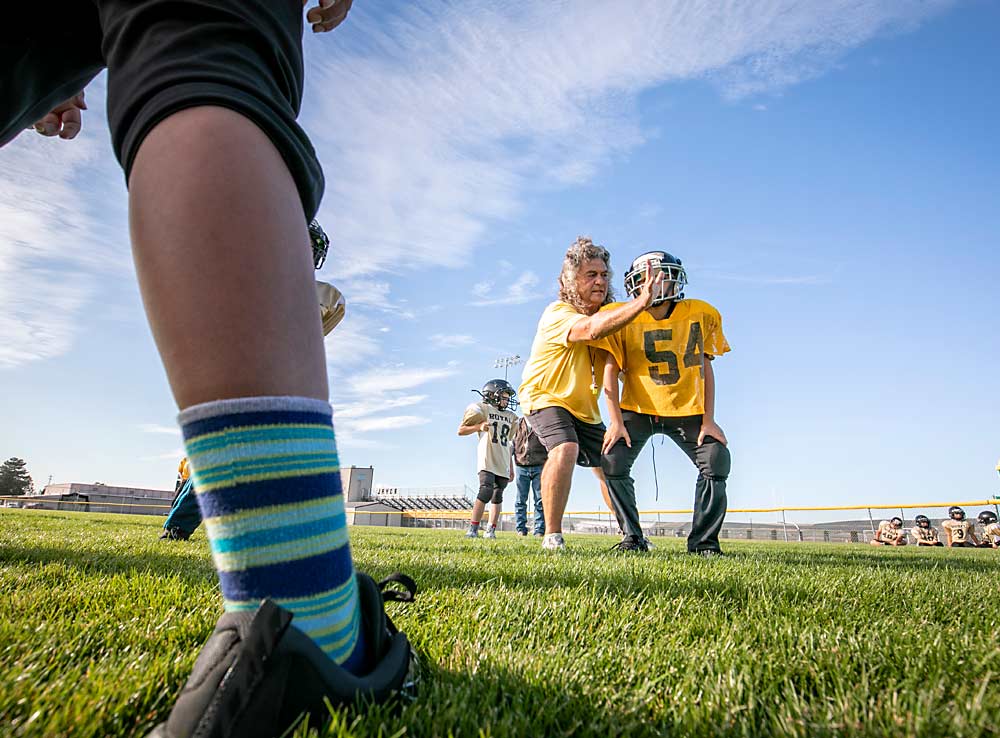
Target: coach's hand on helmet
(64, 120)
(650, 286)
(327, 14)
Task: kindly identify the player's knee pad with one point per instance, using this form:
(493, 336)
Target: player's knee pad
(615, 463)
(497, 498)
(718, 463)
(485, 493)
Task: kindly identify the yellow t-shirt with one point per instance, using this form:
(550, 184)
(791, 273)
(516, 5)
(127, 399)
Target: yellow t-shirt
(560, 373)
(184, 469)
(662, 361)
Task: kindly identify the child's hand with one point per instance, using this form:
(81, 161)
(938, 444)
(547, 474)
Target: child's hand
(64, 120)
(327, 14)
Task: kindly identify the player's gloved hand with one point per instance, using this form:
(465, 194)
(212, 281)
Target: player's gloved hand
(327, 14)
(711, 428)
(64, 120)
(612, 434)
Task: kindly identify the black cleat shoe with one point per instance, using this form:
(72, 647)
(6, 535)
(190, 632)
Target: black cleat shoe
(708, 553)
(255, 677)
(174, 534)
(631, 544)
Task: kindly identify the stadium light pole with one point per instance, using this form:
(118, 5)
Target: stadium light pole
(506, 362)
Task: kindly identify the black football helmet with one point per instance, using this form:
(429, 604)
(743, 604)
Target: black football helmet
(987, 517)
(923, 521)
(674, 276)
(496, 391)
(320, 243)
(956, 510)
(896, 522)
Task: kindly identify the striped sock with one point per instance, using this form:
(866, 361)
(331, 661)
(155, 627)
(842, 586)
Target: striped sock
(267, 479)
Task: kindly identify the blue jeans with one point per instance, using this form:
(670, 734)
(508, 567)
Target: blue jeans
(526, 476)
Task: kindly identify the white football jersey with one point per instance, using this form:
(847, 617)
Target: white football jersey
(496, 445)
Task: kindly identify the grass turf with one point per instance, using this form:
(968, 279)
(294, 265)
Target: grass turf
(100, 624)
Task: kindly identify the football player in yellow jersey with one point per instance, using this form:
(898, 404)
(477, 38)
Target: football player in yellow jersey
(959, 532)
(991, 529)
(924, 534)
(890, 533)
(665, 358)
(559, 386)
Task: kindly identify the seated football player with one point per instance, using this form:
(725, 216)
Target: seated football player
(890, 533)
(991, 529)
(924, 534)
(493, 419)
(664, 358)
(959, 532)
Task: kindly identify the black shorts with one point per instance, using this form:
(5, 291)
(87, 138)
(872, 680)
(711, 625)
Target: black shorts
(555, 426)
(162, 56)
(491, 487)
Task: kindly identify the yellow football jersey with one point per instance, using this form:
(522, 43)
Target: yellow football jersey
(559, 373)
(924, 535)
(184, 469)
(662, 361)
(960, 529)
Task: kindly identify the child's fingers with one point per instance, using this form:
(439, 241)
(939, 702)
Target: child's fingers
(71, 123)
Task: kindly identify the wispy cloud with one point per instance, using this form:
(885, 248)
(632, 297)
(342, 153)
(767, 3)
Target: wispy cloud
(448, 114)
(62, 215)
(170, 430)
(391, 422)
(520, 291)
(444, 341)
(389, 380)
(362, 408)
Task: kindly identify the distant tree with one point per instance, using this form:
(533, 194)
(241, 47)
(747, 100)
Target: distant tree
(14, 478)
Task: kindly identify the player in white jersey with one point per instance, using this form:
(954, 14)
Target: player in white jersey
(991, 529)
(494, 420)
(959, 532)
(924, 534)
(890, 533)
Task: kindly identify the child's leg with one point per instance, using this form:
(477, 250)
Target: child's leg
(222, 253)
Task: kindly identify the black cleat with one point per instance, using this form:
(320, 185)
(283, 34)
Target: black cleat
(255, 677)
(709, 553)
(631, 544)
(174, 534)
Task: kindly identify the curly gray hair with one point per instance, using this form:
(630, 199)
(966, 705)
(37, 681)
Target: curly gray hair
(582, 250)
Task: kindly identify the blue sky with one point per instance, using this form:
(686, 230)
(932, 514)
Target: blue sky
(827, 171)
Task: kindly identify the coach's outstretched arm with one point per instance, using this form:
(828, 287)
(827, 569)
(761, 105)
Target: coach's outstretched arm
(606, 322)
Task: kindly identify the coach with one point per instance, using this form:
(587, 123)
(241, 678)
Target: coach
(560, 383)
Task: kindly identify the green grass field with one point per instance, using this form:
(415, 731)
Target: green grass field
(100, 624)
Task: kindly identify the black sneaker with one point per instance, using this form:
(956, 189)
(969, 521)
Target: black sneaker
(174, 534)
(255, 677)
(631, 543)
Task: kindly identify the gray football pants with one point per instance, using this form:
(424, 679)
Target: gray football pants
(712, 460)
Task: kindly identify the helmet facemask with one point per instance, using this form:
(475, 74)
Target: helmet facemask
(674, 277)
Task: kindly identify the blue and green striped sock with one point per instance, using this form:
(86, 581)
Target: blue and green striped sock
(267, 479)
